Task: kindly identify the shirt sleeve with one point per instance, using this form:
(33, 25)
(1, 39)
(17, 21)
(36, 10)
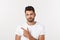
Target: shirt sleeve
(42, 32)
(19, 31)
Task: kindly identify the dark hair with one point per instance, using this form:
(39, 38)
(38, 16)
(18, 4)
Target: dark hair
(29, 8)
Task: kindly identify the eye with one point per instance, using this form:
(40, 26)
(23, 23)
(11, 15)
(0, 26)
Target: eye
(27, 14)
(31, 14)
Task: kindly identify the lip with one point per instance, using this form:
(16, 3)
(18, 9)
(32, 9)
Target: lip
(30, 18)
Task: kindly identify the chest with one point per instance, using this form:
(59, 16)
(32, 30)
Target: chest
(35, 31)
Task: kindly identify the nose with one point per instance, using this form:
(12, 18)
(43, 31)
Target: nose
(29, 16)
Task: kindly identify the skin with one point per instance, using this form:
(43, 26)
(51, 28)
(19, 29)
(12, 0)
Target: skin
(17, 37)
(30, 16)
(41, 37)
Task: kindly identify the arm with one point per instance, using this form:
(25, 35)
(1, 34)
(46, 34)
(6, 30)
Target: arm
(31, 38)
(17, 37)
(41, 37)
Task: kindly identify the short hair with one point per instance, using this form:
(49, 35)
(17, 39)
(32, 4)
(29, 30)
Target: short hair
(29, 8)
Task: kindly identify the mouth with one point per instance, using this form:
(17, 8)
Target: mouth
(30, 18)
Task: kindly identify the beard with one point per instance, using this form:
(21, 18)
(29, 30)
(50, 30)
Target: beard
(30, 19)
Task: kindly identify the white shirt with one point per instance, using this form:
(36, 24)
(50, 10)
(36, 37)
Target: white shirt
(35, 30)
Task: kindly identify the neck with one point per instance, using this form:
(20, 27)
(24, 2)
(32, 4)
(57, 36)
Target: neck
(31, 23)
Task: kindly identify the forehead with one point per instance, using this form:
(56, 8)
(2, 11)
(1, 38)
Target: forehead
(29, 12)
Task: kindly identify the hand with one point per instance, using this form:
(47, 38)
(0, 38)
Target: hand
(26, 32)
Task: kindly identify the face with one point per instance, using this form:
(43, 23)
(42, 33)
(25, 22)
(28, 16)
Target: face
(30, 16)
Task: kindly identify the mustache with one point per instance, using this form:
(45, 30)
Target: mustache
(29, 18)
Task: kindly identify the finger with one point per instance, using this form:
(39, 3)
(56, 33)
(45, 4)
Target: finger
(27, 29)
(23, 29)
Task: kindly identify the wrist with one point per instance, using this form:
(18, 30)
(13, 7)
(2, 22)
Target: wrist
(31, 38)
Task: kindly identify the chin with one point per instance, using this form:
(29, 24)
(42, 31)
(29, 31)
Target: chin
(30, 21)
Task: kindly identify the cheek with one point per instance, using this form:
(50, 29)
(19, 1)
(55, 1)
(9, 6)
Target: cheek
(27, 17)
(33, 16)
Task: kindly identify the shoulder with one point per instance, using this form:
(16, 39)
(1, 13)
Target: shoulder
(40, 26)
(22, 26)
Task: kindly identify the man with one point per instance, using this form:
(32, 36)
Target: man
(31, 30)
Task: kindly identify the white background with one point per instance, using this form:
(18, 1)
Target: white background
(12, 14)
